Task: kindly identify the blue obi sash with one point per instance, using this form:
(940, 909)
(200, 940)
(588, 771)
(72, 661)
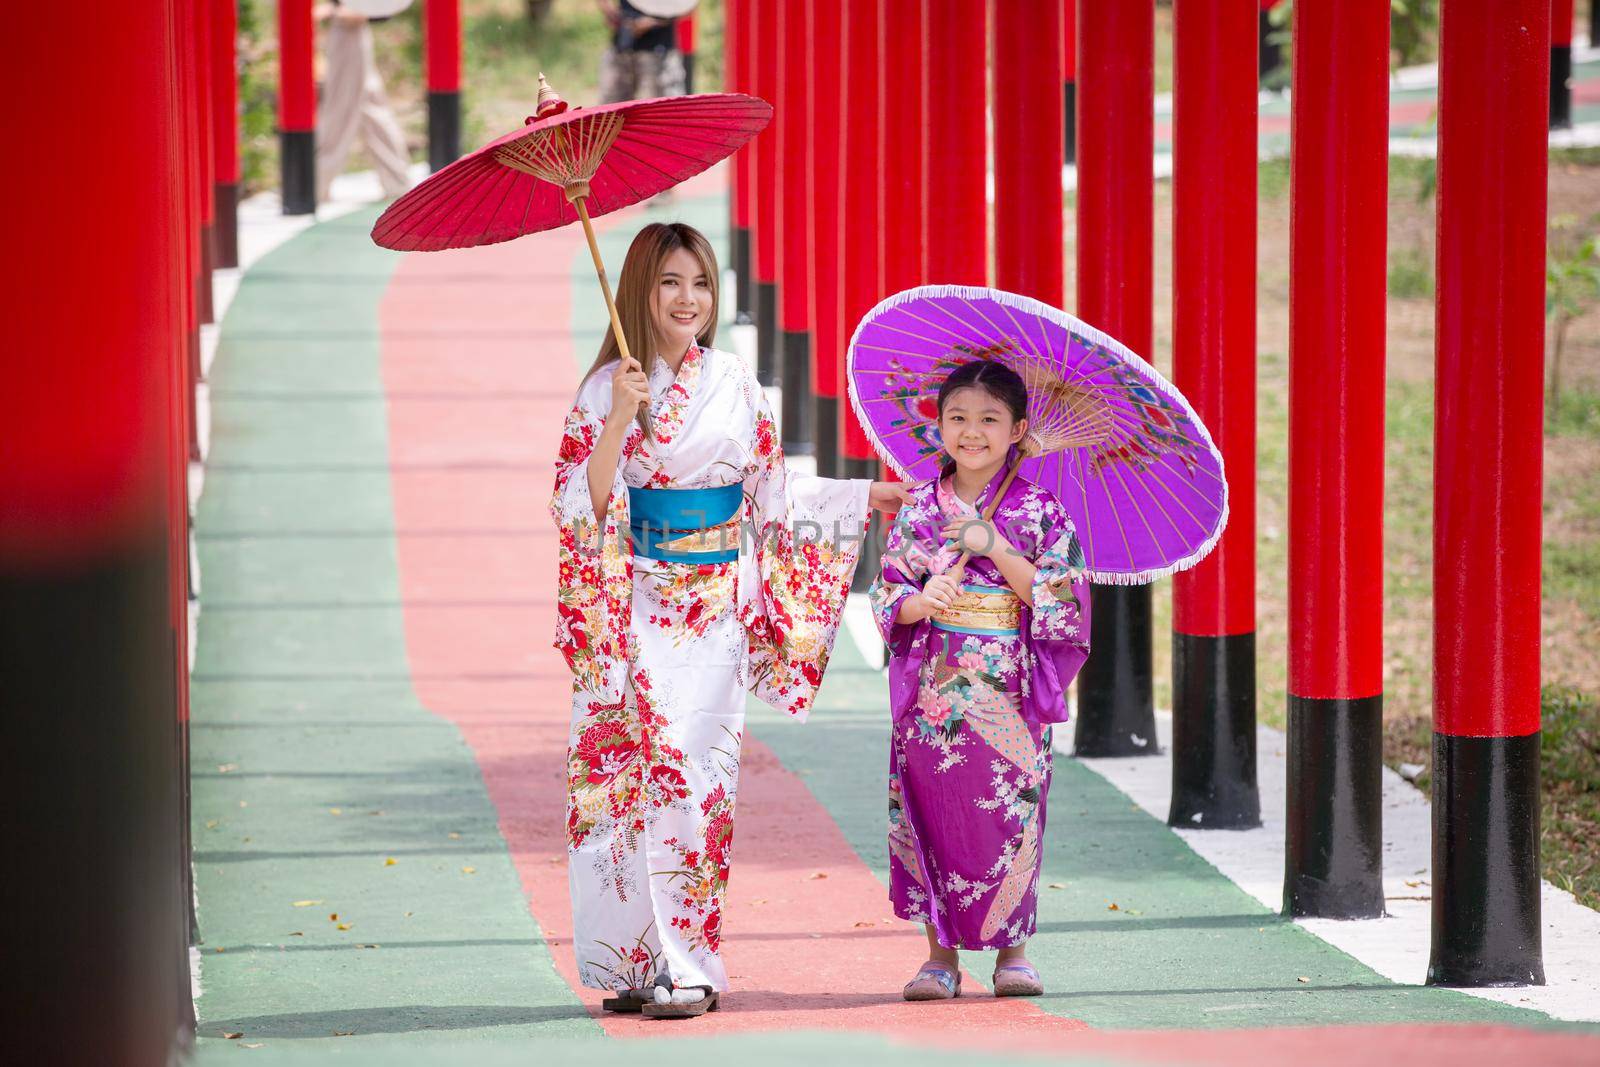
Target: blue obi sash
(660, 519)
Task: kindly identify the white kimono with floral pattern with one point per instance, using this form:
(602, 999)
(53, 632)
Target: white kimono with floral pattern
(662, 654)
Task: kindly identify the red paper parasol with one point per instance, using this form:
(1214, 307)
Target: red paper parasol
(568, 165)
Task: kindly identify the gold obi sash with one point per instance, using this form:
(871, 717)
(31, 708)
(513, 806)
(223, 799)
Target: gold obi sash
(982, 610)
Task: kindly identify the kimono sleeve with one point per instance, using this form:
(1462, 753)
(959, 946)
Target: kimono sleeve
(1058, 624)
(595, 569)
(807, 535)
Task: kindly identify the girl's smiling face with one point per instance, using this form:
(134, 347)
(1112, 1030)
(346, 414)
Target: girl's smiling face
(682, 305)
(978, 429)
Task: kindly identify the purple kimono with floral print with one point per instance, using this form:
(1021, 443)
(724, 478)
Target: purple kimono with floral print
(970, 754)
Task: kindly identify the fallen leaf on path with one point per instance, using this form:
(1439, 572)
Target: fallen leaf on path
(454, 836)
(344, 926)
(817, 875)
(211, 824)
(224, 768)
(333, 917)
(298, 933)
(251, 1044)
(306, 903)
(1058, 885)
(1112, 907)
(343, 1033)
(1302, 979)
(369, 946)
(390, 862)
(244, 803)
(469, 870)
(335, 811)
(866, 924)
(232, 1034)
(217, 949)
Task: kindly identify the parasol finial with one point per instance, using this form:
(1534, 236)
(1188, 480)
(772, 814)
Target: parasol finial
(550, 102)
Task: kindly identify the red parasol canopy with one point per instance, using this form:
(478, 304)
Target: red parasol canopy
(532, 179)
(568, 164)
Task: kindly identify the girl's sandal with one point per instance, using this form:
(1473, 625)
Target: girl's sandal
(711, 1001)
(1017, 979)
(934, 981)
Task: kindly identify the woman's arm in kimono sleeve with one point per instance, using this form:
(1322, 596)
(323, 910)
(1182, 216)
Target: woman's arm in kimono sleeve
(595, 572)
(1058, 627)
(808, 534)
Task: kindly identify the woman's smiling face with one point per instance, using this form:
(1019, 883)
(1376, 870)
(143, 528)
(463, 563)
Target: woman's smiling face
(682, 305)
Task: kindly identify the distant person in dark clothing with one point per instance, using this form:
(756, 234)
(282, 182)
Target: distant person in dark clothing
(643, 60)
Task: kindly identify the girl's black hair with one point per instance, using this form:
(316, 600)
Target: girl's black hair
(994, 378)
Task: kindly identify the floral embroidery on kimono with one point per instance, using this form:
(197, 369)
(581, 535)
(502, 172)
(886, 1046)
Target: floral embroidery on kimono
(969, 772)
(662, 654)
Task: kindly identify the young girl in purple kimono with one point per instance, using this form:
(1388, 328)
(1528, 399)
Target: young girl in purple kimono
(987, 622)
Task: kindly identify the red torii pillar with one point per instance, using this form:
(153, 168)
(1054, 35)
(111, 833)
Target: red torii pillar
(860, 251)
(736, 79)
(957, 223)
(225, 131)
(192, 183)
(823, 192)
(297, 107)
(1488, 488)
(1116, 148)
(1069, 77)
(205, 160)
(1338, 187)
(685, 28)
(443, 40)
(902, 164)
(1029, 249)
(1561, 63)
(87, 645)
(1214, 364)
(763, 52)
(794, 307)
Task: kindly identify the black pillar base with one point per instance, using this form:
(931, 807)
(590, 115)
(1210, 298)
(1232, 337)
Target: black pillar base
(297, 165)
(444, 129)
(1116, 700)
(1070, 115)
(1214, 733)
(1334, 837)
(825, 412)
(740, 239)
(90, 776)
(205, 303)
(1561, 87)
(799, 433)
(1486, 920)
(227, 226)
(688, 72)
(766, 300)
(872, 550)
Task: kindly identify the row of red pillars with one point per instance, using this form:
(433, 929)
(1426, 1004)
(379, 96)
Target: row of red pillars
(872, 179)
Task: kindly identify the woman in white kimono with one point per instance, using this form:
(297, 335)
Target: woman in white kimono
(693, 568)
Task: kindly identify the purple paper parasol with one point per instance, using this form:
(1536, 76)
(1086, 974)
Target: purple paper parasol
(1112, 438)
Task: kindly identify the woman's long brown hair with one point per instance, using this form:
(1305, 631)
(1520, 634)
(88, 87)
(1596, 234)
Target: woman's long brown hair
(636, 288)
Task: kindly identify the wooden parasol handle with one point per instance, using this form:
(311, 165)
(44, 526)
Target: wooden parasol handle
(600, 269)
(988, 516)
